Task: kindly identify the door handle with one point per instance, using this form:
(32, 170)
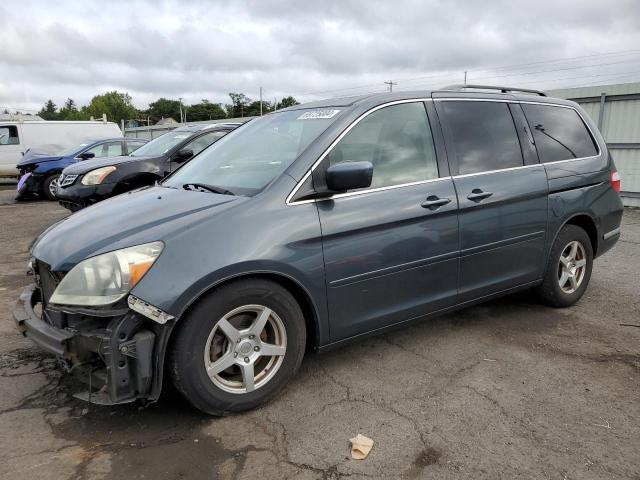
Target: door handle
(433, 202)
(478, 195)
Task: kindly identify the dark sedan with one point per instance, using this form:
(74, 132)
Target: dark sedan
(91, 181)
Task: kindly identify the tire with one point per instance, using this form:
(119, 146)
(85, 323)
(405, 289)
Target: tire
(203, 339)
(558, 289)
(47, 186)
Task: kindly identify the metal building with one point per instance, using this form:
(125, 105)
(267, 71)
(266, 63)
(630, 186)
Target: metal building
(616, 111)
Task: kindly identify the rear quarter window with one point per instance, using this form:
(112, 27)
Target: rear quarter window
(559, 133)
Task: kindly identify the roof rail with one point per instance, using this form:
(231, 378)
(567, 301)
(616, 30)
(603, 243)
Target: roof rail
(493, 87)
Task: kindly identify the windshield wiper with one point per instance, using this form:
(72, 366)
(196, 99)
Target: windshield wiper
(209, 188)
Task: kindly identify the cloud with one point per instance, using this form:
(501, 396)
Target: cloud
(202, 49)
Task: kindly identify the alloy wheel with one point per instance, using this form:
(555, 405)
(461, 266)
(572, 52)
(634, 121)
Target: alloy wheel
(53, 187)
(245, 349)
(572, 267)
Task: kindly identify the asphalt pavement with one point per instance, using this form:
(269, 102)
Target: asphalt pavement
(508, 389)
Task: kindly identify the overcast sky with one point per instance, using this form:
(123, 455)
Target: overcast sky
(308, 49)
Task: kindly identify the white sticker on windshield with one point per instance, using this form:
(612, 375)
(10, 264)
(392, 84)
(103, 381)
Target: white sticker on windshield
(315, 114)
(183, 135)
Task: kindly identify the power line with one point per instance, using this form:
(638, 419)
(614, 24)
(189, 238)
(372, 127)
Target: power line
(449, 74)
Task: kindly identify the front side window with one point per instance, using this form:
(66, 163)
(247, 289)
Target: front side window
(247, 159)
(203, 141)
(9, 135)
(396, 140)
(132, 146)
(109, 149)
(161, 145)
(559, 133)
(482, 135)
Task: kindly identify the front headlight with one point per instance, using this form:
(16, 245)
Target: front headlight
(105, 279)
(95, 177)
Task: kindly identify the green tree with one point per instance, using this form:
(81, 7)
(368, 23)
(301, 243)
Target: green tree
(49, 112)
(287, 102)
(253, 109)
(164, 108)
(239, 102)
(205, 110)
(115, 104)
(70, 111)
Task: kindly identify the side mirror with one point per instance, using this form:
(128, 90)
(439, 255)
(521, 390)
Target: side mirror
(349, 176)
(182, 155)
(86, 155)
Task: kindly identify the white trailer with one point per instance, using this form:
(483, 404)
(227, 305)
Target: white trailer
(51, 137)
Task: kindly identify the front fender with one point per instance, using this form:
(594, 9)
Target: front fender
(258, 236)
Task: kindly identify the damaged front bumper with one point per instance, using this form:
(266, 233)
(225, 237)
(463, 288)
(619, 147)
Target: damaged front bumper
(118, 354)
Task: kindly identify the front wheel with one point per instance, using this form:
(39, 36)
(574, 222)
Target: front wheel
(238, 346)
(568, 269)
(50, 186)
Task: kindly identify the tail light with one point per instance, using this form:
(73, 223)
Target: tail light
(614, 179)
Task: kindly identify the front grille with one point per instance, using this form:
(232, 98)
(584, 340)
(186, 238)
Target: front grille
(48, 281)
(66, 180)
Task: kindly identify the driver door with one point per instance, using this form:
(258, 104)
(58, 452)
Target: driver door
(390, 250)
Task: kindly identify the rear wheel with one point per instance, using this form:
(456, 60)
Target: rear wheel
(568, 269)
(50, 186)
(238, 347)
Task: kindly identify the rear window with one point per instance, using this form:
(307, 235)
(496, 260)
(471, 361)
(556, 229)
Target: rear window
(559, 133)
(482, 135)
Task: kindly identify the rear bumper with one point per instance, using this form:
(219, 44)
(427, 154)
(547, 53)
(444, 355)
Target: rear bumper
(118, 356)
(608, 240)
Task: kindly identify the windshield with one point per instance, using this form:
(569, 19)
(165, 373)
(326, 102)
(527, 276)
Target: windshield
(247, 159)
(162, 144)
(72, 150)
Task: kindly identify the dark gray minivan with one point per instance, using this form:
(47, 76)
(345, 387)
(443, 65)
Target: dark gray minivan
(316, 225)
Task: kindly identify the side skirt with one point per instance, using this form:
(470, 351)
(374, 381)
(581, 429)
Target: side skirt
(403, 323)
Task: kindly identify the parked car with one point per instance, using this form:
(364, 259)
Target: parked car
(317, 225)
(17, 138)
(39, 172)
(86, 183)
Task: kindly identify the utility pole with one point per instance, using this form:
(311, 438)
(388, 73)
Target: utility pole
(275, 104)
(260, 101)
(391, 83)
(465, 78)
(180, 99)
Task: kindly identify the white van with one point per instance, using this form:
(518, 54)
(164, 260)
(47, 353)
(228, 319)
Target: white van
(16, 137)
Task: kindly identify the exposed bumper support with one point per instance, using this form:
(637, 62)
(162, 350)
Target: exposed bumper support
(51, 339)
(118, 356)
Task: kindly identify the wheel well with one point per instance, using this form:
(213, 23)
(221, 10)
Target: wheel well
(586, 223)
(294, 288)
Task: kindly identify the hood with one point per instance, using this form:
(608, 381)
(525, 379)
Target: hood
(33, 158)
(85, 166)
(142, 216)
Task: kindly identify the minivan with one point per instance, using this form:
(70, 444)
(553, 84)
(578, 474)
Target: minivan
(314, 226)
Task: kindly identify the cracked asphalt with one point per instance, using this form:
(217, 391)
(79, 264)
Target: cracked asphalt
(509, 389)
